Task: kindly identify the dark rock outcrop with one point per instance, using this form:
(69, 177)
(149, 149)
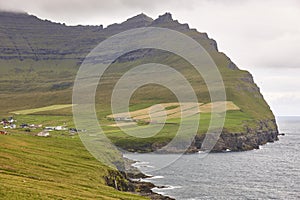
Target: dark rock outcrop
(249, 139)
(124, 181)
(243, 141)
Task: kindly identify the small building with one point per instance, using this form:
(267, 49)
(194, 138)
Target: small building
(32, 126)
(12, 126)
(73, 130)
(43, 134)
(24, 125)
(4, 122)
(3, 133)
(49, 128)
(60, 128)
(11, 120)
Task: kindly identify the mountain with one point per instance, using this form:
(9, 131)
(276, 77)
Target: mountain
(39, 60)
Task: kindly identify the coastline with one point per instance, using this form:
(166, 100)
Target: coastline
(134, 175)
(266, 132)
(250, 139)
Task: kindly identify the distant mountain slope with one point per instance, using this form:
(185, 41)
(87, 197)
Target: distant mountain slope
(39, 60)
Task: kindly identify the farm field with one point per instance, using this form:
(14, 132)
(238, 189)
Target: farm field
(175, 110)
(61, 115)
(47, 108)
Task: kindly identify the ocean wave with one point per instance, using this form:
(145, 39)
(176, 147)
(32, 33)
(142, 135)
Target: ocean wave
(156, 177)
(167, 187)
(142, 165)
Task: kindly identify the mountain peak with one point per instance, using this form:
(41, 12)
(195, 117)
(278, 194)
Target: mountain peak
(167, 17)
(141, 18)
(137, 21)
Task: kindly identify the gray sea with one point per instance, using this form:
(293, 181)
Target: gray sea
(272, 172)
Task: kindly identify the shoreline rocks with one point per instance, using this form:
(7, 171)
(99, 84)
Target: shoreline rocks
(126, 181)
(251, 139)
(266, 131)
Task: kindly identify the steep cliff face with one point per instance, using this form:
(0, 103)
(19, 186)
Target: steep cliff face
(249, 139)
(25, 36)
(42, 57)
(124, 182)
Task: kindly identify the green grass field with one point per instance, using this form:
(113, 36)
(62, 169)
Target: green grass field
(52, 168)
(58, 115)
(42, 109)
(56, 167)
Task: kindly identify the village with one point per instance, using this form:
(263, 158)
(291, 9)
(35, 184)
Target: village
(10, 124)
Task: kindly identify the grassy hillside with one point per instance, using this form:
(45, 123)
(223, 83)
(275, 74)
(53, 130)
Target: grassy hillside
(52, 168)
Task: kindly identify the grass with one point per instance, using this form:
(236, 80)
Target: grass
(235, 121)
(42, 109)
(52, 168)
(174, 110)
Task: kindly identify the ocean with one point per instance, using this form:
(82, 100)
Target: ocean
(272, 172)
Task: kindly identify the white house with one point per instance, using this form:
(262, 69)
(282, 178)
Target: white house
(43, 134)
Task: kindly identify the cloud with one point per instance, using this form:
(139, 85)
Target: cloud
(280, 87)
(284, 103)
(253, 33)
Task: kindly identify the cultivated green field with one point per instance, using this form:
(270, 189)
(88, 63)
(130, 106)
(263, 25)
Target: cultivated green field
(53, 116)
(42, 109)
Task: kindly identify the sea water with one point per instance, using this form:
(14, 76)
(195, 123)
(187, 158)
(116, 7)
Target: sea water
(272, 172)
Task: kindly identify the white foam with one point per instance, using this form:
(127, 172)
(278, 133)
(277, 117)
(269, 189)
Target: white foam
(142, 165)
(203, 152)
(156, 177)
(167, 187)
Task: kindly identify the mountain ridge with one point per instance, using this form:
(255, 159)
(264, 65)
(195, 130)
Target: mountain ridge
(138, 21)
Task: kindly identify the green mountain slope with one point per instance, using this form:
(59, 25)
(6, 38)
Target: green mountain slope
(54, 168)
(39, 60)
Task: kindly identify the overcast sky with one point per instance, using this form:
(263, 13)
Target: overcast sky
(260, 36)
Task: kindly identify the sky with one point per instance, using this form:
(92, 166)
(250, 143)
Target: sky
(262, 37)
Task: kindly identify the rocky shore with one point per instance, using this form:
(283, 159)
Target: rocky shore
(134, 175)
(264, 132)
(252, 138)
(129, 181)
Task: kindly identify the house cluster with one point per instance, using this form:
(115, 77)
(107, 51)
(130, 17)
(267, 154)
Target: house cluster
(45, 132)
(47, 129)
(73, 131)
(55, 128)
(30, 126)
(9, 123)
